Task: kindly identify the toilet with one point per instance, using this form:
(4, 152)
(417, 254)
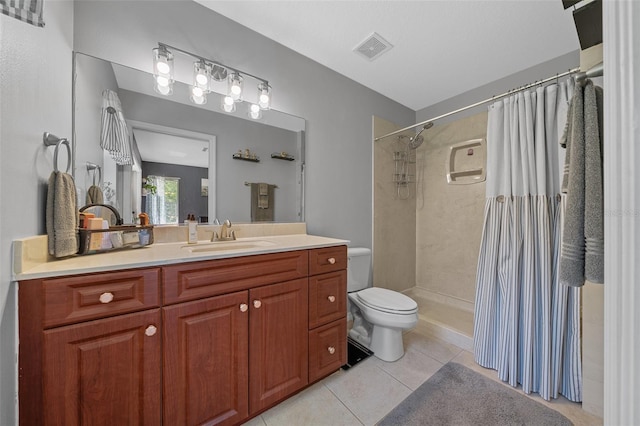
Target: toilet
(379, 315)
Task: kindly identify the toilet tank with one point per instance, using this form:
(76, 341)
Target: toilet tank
(358, 268)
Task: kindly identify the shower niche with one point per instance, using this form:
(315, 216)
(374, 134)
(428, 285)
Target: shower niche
(466, 162)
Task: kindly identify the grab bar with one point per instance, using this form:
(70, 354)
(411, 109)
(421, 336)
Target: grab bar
(52, 140)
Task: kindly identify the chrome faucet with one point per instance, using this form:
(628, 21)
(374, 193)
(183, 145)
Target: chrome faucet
(226, 234)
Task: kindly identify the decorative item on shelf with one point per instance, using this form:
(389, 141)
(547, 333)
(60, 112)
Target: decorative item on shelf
(207, 73)
(283, 156)
(148, 188)
(247, 155)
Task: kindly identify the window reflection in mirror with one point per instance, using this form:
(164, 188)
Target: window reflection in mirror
(226, 193)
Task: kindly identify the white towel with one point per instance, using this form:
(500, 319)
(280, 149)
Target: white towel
(62, 215)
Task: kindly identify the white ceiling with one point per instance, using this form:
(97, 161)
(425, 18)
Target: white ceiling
(441, 48)
(164, 148)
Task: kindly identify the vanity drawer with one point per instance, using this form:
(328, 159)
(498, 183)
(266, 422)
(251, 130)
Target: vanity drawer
(78, 298)
(327, 298)
(192, 281)
(327, 349)
(327, 259)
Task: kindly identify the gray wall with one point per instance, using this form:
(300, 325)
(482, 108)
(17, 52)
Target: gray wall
(35, 96)
(338, 111)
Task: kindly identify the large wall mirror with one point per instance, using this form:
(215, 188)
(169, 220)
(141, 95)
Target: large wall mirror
(185, 151)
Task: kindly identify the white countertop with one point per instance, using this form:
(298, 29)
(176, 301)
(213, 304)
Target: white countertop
(171, 253)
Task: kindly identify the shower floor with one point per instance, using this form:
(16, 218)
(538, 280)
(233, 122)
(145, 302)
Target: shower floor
(443, 320)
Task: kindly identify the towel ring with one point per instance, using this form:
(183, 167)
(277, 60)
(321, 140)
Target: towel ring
(50, 140)
(94, 167)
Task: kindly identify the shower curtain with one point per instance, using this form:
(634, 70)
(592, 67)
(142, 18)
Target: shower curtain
(527, 325)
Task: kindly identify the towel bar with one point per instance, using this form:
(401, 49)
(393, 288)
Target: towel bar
(249, 184)
(53, 140)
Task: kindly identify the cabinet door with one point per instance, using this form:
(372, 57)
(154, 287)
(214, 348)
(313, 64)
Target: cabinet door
(205, 361)
(278, 342)
(103, 372)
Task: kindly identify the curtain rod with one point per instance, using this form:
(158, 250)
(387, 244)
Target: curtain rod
(493, 98)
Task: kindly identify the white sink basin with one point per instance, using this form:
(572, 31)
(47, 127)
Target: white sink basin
(227, 245)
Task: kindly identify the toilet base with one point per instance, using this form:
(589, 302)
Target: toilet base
(386, 343)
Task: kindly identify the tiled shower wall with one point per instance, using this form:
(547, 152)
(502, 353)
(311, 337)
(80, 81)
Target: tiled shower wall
(448, 217)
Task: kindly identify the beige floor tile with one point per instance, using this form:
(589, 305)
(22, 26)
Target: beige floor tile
(367, 391)
(316, 406)
(413, 369)
(420, 340)
(256, 421)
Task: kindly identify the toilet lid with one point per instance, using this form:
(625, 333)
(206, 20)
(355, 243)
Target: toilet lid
(387, 300)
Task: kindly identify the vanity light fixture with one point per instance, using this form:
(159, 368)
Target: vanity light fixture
(163, 70)
(207, 74)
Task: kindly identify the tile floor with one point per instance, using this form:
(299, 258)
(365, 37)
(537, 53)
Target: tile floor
(364, 394)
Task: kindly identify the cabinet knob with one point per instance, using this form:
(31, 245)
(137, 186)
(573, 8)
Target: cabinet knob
(331, 350)
(331, 299)
(257, 303)
(332, 260)
(151, 330)
(106, 297)
(244, 307)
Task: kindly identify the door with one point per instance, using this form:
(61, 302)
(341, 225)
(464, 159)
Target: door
(278, 342)
(103, 372)
(205, 361)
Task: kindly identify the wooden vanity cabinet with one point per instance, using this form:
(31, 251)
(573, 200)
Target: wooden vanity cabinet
(209, 342)
(90, 349)
(327, 311)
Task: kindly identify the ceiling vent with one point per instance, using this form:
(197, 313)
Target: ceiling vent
(373, 47)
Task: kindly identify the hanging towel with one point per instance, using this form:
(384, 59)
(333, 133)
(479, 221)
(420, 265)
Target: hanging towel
(94, 195)
(259, 214)
(582, 254)
(62, 215)
(263, 196)
(114, 133)
(593, 183)
(572, 252)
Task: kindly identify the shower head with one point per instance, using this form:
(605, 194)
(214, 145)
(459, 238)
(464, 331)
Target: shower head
(417, 140)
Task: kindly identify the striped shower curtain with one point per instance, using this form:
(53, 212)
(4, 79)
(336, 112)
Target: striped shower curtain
(527, 325)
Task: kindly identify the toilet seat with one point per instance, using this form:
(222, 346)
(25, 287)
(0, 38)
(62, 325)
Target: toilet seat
(389, 301)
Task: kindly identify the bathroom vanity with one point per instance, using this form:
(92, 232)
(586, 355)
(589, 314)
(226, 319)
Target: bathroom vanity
(214, 337)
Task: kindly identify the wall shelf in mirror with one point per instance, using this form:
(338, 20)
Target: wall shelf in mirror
(283, 156)
(253, 158)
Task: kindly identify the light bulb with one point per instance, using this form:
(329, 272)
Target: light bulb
(200, 100)
(264, 99)
(235, 87)
(255, 112)
(163, 68)
(228, 104)
(202, 79)
(162, 81)
(163, 90)
(197, 92)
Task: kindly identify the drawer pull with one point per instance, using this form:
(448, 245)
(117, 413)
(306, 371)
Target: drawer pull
(331, 299)
(332, 260)
(151, 330)
(331, 350)
(244, 307)
(106, 297)
(257, 303)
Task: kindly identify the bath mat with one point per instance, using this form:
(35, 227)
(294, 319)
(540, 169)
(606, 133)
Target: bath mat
(456, 395)
(355, 353)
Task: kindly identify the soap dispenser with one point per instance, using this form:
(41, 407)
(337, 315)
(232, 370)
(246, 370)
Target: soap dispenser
(193, 229)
